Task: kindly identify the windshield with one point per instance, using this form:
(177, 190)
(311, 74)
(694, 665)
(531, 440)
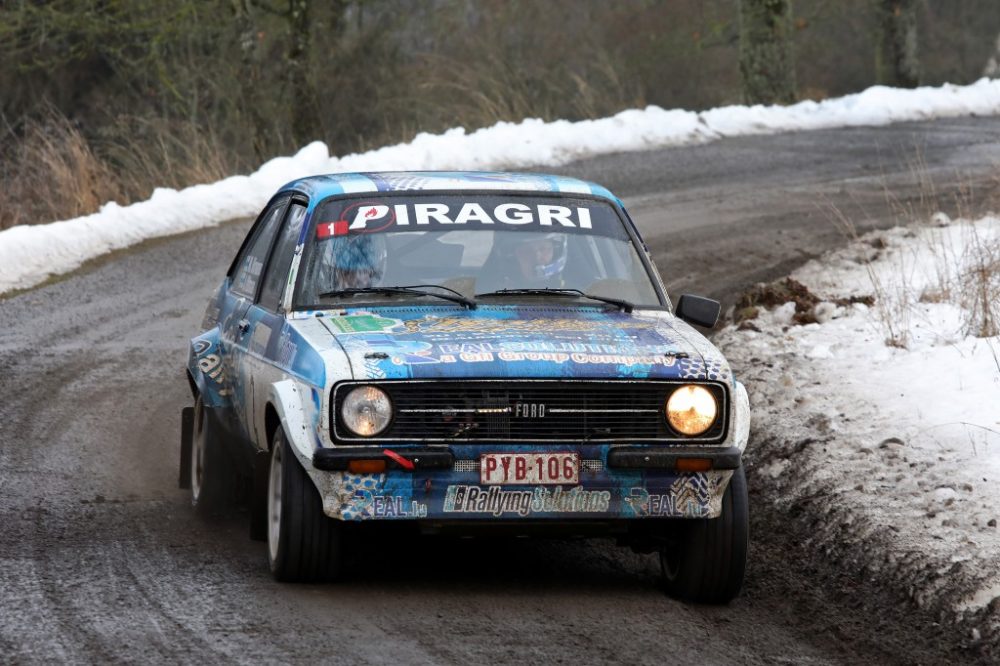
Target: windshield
(472, 244)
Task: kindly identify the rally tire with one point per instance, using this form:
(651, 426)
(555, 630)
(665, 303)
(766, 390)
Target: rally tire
(304, 545)
(211, 474)
(707, 561)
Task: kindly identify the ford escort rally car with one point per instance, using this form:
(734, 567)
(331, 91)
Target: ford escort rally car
(460, 351)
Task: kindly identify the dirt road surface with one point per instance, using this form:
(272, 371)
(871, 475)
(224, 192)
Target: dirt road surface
(103, 560)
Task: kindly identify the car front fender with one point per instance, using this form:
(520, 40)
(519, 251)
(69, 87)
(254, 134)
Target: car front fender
(291, 400)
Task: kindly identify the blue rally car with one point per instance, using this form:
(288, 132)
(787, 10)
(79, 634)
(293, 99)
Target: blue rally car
(465, 351)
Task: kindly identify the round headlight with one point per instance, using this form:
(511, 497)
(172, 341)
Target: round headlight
(691, 410)
(366, 411)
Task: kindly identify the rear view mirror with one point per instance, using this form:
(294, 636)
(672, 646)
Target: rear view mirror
(698, 310)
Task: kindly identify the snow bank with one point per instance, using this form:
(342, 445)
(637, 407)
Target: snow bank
(895, 449)
(28, 255)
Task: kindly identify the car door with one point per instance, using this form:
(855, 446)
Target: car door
(268, 317)
(236, 323)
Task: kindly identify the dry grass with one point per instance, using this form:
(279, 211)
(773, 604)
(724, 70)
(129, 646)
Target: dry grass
(966, 266)
(54, 172)
(150, 153)
(971, 279)
(892, 298)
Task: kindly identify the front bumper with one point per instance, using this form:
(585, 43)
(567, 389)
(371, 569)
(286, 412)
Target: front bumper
(616, 482)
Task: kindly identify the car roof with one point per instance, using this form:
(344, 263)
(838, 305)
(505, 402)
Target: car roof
(320, 187)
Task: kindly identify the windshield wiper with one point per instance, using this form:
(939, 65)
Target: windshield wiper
(622, 304)
(415, 290)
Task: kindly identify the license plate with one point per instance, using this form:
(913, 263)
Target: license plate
(529, 468)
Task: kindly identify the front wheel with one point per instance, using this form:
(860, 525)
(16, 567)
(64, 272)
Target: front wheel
(303, 544)
(706, 563)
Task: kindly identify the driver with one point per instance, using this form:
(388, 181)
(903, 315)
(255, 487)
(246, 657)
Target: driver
(354, 262)
(540, 260)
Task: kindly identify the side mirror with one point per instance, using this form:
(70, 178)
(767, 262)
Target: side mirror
(698, 310)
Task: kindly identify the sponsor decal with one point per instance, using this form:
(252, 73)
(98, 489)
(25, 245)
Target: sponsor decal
(372, 216)
(678, 501)
(611, 359)
(426, 356)
(533, 356)
(545, 348)
(515, 326)
(286, 349)
(212, 367)
(356, 218)
(370, 505)
(431, 340)
(362, 323)
(259, 338)
(498, 501)
(402, 352)
(636, 343)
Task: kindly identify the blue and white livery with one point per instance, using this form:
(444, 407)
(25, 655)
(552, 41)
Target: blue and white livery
(465, 349)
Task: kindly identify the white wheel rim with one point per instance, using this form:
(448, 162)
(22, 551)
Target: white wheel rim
(198, 452)
(274, 502)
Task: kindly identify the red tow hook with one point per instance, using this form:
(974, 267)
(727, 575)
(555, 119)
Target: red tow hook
(403, 462)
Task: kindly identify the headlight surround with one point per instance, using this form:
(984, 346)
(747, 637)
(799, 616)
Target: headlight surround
(691, 410)
(366, 411)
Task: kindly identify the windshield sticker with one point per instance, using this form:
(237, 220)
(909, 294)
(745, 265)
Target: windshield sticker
(369, 217)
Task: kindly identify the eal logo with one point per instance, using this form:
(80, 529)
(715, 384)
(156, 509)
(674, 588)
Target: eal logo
(362, 218)
(529, 410)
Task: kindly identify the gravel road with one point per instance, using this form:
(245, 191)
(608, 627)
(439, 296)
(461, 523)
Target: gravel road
(102, 559)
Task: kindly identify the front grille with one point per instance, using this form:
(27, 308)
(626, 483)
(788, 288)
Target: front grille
(536, 411)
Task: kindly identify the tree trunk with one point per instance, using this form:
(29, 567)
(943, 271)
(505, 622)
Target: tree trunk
(767, 62)
(896, 61)
(305, 121)
(992, 67)
(250, 71)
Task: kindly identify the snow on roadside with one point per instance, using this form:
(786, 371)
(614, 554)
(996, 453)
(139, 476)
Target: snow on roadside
(28, 255)
(895, 449)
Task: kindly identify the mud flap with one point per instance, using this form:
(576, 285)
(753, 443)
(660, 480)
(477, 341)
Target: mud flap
(187, 435)
(258, 495)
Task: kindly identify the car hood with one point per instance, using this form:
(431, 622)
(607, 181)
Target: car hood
(520, 342)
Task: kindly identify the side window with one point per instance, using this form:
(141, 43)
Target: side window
(276, 277)
(247, 275)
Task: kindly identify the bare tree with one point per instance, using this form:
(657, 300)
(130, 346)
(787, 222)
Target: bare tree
(302, 99)
(992, 67)
(250, 71)
(767, 61)
(305, 122)
(896, 60)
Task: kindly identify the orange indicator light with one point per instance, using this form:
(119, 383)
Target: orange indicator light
(366, 466)
(694, 464)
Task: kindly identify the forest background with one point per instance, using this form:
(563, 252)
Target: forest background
(103, 100)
